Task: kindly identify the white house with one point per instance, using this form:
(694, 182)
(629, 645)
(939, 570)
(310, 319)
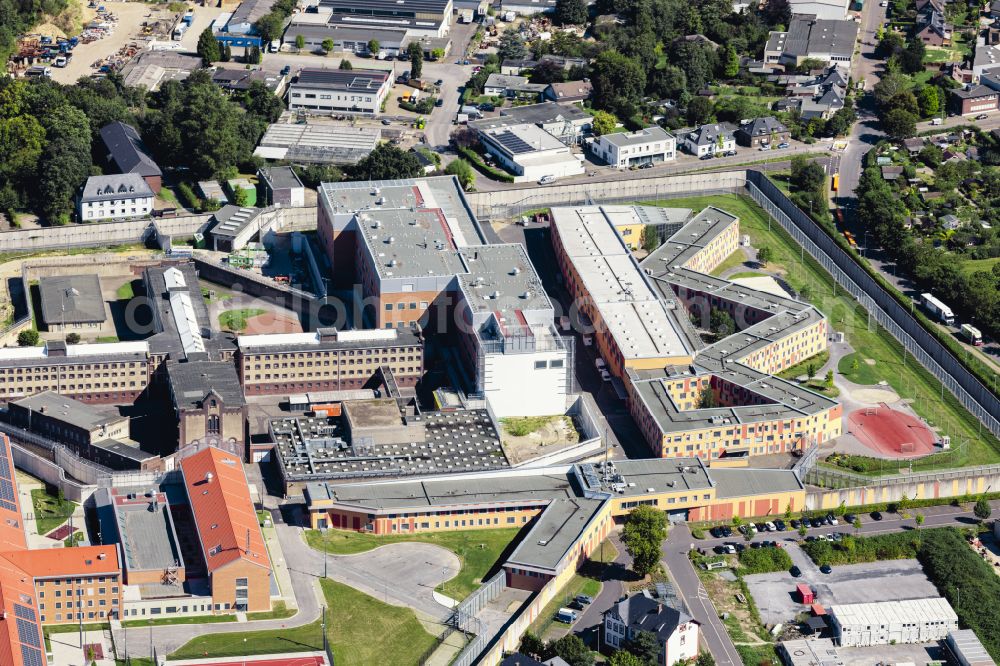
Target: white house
(647, 146)
(676, 631)
(115, 197)
(708, 139)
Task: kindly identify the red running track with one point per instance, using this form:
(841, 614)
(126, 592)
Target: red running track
(888, 432)
(263, 661)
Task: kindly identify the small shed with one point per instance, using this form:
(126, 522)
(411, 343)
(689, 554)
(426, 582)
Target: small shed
(805, 593)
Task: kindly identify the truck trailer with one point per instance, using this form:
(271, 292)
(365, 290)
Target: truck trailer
(939, 310)
(972, 335)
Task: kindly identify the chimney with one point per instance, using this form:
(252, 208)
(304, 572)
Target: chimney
(208, 477)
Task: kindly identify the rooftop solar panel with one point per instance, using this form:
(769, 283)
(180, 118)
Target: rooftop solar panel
(513, 143)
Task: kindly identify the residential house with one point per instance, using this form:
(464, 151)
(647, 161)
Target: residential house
(974, 100)
(114, 197)
(707, 139)
(570, 91)
(698, 39)
(502, 85)
(762, 131)
(646, 146)
(914, 145)
(675, 631)
(892, 172)
(239, 79)
(932, 28)
(566, 62)
(129, 154)
(812, 39)
(950, 222)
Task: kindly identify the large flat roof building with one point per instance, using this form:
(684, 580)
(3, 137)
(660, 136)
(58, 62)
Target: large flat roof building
(317, 143)
(813, 39)
(328, 91)
(72, 302)
(893, 622)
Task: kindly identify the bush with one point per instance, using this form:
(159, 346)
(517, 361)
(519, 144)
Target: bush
(424, 106)
(477, 161)
(27, 338)
(187, 196)
(764, 560)
(852, 550)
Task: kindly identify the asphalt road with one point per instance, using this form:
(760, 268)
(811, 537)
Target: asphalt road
(680, 542)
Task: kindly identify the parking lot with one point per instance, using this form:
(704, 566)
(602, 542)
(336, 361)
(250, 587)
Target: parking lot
(892, 580)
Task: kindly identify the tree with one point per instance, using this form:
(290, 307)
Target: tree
(300, 42)
(386, 162)
(788, 511)
(27, 338)
(603, 123)
(573, 650)
(982, 509)
(208, 47)
(919, 518)
(828, 381)
(327, 45)
(857, 525)
(721, 323)
(650, 238)
(533, 646)
(810, 369)
(707, 398)
(73, 338)
(619, 83)
(345, 64)
(511, 46)
(899, 124)
(227, 53)
(929, 101)
(416, 59)
(643, 535)
(65, 161)
(802, 529)
(261, 102)
(254, 56)
(889, 85)
(463, 170)
(625, 658)
(571, 12)
(765, 254)
(731, 62)
(645, 646)
(374, 47)
(699, 111)
(706, 658)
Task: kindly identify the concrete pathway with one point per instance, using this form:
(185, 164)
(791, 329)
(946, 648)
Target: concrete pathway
(67, 651)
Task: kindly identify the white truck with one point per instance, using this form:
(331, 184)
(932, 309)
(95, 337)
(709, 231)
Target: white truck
(939, 310)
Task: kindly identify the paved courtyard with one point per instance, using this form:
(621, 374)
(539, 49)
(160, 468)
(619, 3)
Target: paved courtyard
(891, 580)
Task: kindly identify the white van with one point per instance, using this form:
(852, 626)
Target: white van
(566, 615)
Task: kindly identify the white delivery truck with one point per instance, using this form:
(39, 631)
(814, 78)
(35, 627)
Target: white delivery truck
(939, 310)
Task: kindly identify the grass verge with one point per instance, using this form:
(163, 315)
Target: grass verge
(50, 511)
(734, 260)
(194, 619)
(478, 551)
(360, 629)
(236, 320)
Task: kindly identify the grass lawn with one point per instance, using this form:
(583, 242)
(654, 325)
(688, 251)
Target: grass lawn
(125, 292)
(547, 617)
(107, 338)
(519, 426)
(799, 369)
(194, 619)
(975, 265)
(478, 550)
(908, 379)
(65, 629)
(747, 274)
(236, 320)
(360, 629)
(71, 541)
(219, 295)
(734, 260)
(858, 368)
(278, 612)
(50, 513)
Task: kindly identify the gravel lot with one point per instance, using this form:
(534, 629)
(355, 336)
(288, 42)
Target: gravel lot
(775, 594)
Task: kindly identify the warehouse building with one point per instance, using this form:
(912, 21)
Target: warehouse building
(530, 153)
(893, 622)
(329, 91)
(566, 122)
(317, 143)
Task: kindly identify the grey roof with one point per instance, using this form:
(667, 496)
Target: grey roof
(537, 114)
(115, 186)
(66, 409)
(230, 220)
(513, 82)
(504, 270)
(249, 11)
(753, 482)
(356, 81)
(71, 299)
(239, 78)
(191, 381)
(967, 647)
(170, 339)
(387, 37)
(124, 450)
(765, 126)
(808, 36)
(973, 92)
(387, 7)
(555, 532)
(148, 538)
(707, 134)
(280, 178)
(127, 150)
(641, 613)
(638, 138)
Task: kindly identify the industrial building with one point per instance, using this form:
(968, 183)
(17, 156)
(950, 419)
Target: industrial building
(329, 91)
(234, 226)
(812, 38)
(317, 143)
(529, 152)
(313, 449)
(281, 187)
(893, 622)
(573, 507)
(810, 652)
(71, 303)
(566, 122)
(967, 649)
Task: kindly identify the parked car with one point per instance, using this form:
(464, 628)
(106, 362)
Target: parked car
(706, 156)
(286, 70)
(795, 571)
(716, 532)
(546, 180)
(575, 605)
(765, 146)
(719, 550)
(760, 527)
(585, 599)
(486, 106)
(439, 102)
(849, 518)
(831, 519)
(744, 530)
(731, 549)
(816, 522)
(780, 525)
(566, 616)
(727, 531)
(782, 146)
(439, 82)
(771, 527)
(982, 116)
(826, 568)
(876, 515)
(386, 121)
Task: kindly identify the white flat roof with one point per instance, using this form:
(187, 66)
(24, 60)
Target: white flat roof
(585, 231)
(880, 613)
(97, 349)
(642, 329)
(281, 339)
(613, 279)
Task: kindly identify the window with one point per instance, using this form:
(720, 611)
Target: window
(541, 365)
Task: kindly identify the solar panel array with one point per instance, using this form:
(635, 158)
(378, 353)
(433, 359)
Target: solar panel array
(27, 630)
(515, 144)
(31, 656)
(8, 494)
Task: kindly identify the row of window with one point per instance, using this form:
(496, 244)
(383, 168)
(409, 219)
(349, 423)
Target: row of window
(319, 375)
(481, 522)
(554, 363)
(73, 368)
(330, 354)
(378, 360)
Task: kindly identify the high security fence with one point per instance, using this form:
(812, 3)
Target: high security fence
(885, 309)
(464, 618)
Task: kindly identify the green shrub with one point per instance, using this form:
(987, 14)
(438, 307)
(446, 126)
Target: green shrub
(477, 161)
(764, 560)
(852, 550)
(187, 196)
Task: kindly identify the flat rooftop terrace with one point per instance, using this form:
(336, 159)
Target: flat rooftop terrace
(317, 448)
(147, 536)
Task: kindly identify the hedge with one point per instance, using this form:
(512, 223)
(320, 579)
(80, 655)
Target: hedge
(190, 200)
(488, 171)
(853, 550)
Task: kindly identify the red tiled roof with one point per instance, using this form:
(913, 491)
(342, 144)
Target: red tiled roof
(58, 562)
(223, 512)
(12, 536)
(18, 639)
